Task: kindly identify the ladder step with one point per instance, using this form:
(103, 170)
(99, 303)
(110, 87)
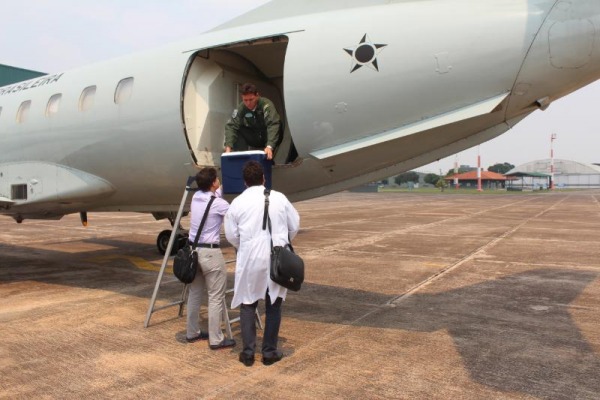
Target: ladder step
(230, 321)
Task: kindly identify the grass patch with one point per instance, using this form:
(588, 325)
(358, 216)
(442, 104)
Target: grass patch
(451, 191)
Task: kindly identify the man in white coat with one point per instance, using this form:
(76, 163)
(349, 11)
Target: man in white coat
(243, 229)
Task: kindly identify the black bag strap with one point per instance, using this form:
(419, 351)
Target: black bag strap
(267, 220)
(212, 198)
(266, 213)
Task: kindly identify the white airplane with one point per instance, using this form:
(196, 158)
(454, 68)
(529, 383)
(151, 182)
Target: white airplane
(367, 88)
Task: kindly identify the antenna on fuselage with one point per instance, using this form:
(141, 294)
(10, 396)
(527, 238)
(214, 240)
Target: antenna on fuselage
(83, 217)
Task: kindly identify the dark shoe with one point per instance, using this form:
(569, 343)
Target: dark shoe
(247, 360)
(273, 359)
(224, 344)
(201, 336)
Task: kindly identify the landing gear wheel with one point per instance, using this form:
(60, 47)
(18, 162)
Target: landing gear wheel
(162, 242)
(181, 241)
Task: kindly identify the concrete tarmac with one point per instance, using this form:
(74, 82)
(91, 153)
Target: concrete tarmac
(407, 296)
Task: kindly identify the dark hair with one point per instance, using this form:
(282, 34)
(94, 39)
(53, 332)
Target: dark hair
(253, 173)
(249, 88)
(205, 178)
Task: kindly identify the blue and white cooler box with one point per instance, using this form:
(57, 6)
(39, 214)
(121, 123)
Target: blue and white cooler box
(232, 165)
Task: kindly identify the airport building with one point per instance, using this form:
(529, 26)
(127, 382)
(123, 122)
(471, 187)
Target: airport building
(567, 174)
(468, 180)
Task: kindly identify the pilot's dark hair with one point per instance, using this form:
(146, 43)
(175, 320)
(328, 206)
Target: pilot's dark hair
(205, 178)
(249, 88)
(253, 173)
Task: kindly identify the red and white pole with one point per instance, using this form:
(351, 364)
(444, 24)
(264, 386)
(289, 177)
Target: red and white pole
(478, 171)
(456, 186)
(552, 139)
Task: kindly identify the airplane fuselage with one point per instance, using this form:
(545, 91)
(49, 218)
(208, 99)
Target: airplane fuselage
(366, 91)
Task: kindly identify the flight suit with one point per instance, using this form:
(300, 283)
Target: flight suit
(250, 130)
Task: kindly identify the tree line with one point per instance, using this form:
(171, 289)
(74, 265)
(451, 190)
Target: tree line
(412, 176)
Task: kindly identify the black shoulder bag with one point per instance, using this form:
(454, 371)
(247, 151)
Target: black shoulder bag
(287, 268)
(185, 263)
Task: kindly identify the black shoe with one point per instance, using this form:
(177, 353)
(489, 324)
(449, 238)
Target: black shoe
(247, 360)
(201, 336)
(273, 359)
(224, 344)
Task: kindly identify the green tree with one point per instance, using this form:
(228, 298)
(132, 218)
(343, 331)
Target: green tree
(501, 168)
(441, 184)
(462, 169)
(410, 176)
(431, 178)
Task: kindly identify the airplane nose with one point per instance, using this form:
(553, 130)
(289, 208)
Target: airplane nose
(564, 56)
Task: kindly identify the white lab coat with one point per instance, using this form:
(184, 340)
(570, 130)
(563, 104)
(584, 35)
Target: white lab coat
(243, 229)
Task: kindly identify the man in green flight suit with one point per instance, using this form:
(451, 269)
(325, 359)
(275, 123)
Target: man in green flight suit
(254, 125)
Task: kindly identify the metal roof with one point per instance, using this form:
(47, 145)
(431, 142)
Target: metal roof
(528, 174)
(472, 175)
(561, 166)
(10, 74)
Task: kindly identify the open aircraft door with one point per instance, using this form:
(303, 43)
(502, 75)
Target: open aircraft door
(212, 91)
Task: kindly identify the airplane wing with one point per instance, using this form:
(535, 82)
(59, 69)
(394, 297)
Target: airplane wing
(54, 183)
(5, 203)
(472, 111)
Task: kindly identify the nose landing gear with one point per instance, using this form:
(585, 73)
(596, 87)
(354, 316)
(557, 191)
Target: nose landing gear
(162, 241)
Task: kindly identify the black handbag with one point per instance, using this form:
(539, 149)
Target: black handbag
(185, 263)
(287, 268)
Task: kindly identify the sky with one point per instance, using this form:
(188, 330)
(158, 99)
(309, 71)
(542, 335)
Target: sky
(57, 35)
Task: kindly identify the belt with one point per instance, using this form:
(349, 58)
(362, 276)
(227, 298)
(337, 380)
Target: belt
(206, 245)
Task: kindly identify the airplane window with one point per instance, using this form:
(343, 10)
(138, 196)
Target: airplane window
(23, 111)
(53, 103)
(86, 100)
(0, 111)
(124, 90)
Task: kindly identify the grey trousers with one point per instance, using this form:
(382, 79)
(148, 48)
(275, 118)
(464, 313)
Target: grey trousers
(212, 275)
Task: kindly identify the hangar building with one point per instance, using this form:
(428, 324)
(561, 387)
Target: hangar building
(567, 173)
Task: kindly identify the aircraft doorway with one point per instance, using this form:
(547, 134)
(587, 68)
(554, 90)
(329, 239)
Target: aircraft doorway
(212, 91)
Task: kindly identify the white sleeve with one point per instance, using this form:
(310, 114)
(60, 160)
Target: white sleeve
(232, 232)
(293, 219)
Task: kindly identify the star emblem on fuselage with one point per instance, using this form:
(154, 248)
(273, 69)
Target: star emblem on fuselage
(365, 54)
